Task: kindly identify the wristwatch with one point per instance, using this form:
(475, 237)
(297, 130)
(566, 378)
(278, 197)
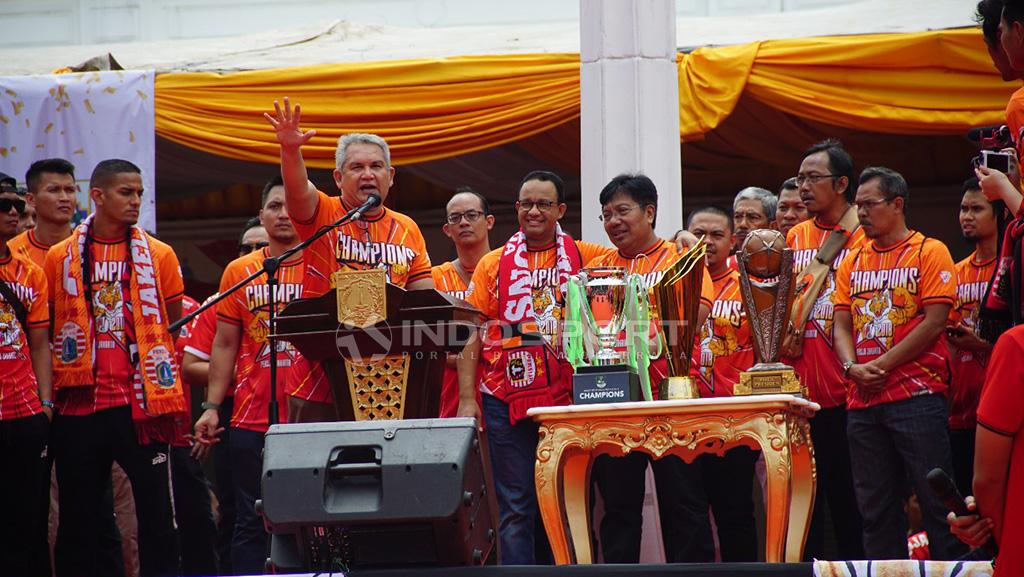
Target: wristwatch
(207, 405)
(47, 404)
(846, 367)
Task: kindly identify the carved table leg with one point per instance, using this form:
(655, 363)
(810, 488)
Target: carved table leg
(548, 473)
(802, 488)
(777, 465)
(576, 491)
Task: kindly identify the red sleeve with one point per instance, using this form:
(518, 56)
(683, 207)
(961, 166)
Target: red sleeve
(200, 338)
(1001, 408)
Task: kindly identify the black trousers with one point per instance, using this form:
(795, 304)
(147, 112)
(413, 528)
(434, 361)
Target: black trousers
(685, 529)
(85, 447)
(961, 443)
(835, 489)
(194, 513)
(728, 487)
(224, 487)
(22, 452)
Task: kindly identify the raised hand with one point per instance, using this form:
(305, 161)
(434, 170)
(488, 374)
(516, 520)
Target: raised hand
(286, 123)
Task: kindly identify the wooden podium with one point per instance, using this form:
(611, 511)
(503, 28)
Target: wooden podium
(391, 370)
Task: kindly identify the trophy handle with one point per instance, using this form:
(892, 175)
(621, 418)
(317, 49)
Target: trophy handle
(638, 323)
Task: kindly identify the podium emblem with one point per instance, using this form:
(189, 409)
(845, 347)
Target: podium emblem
(362, 297)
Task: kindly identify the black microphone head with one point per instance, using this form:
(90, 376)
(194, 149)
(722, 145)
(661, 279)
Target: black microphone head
(373, 200)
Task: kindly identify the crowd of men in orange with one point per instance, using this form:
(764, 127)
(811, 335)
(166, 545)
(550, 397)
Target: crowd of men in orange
(891, 352)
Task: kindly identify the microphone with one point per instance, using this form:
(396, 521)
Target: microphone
(943, 488)
(372, 201)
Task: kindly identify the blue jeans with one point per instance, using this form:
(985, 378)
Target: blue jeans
(894, 445)
(249, 540)
(513, 451)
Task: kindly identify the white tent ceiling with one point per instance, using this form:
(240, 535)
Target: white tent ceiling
(342, 41)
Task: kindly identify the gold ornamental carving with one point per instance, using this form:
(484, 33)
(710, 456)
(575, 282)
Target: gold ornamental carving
(362, 297)
(378, 387)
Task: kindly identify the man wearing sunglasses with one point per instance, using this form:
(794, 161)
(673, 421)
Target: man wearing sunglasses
(26, 405)
(254, 237)
(892, 299)
(468, 220)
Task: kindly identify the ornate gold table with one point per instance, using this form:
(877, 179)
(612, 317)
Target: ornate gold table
(571, 437)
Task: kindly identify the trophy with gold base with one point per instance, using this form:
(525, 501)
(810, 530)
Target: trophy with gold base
(677, 298)
(766, 286)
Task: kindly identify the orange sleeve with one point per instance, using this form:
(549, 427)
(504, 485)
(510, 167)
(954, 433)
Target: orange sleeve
(841, 295)
(938, 274)
(791, 237)
(707, 289)
(483, 287)
(200, 338)
(38, 309)
(326, 212)
(230, 310)
(590, 251)
(420, 266)
(171, 283)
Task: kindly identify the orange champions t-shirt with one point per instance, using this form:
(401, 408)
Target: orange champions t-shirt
(27, 245)
(725, 349)
(200, 338)
(886, 289)
(448, 280)
(651, 265)
(114, 331)
(19, 393)
(818, 364)
(547, 299)
(972, 278)
(390, 240)
(1015, 122)
(248, 308)
(1002, 411)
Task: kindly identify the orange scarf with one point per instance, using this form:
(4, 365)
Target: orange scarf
(74, 342)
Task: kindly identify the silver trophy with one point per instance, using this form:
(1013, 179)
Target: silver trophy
(604, 317)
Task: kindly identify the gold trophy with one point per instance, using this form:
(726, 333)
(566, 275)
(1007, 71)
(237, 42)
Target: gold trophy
(766, 285)
(677, 299)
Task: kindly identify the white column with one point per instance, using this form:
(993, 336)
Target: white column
(629, 104)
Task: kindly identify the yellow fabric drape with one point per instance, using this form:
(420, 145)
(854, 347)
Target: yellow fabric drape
(924, 83)
(425, 109)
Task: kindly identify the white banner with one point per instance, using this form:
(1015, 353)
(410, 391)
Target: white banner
(84, 118)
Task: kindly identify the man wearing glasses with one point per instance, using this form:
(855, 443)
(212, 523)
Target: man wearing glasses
(468, 220)
(519, 289)
(825, 184)
(892, 299)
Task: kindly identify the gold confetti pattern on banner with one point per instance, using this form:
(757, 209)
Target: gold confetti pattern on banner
(110, 90)
(88, 106)
(40, 145)
(27, 123)
(48, 128)
(10, 93)
(60, 94)
(78, 151)
(14, 150)
(4, 119)
(142, 94)
(17, 105)
(3, 151)
(131, 136)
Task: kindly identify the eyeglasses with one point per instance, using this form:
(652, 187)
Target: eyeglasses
(869, 204)
(7, 203)
(813, 178)
(243, 248)
(541, 205)
(471, 216)
(621, 212)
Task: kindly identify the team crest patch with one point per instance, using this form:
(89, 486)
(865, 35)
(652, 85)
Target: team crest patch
(159, 367)
(71, 340)
(945, 276)
(521, 369)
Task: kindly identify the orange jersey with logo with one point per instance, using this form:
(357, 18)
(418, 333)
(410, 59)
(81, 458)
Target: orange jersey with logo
(725, 349)
(27, 245)
(248, 309)
(448, 280)
(1015, 122)
(547, 297)
(113, 323)
(390, 240)
(651, 266)
(968, 367)
(818, 364)
(885, 289)
(19, 395)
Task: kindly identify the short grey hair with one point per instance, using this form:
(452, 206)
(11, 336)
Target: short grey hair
(359, 138)
(769, 202)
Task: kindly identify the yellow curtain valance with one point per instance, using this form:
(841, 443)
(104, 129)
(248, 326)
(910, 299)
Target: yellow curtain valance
(924, 83)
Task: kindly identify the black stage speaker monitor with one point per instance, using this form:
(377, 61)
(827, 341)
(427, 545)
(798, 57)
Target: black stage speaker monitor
(375, 494)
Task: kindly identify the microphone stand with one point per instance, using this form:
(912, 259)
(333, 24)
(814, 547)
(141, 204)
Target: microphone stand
(270, 267)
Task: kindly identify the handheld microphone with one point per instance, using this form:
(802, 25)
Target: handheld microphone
(944, 488)
(372, 201)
